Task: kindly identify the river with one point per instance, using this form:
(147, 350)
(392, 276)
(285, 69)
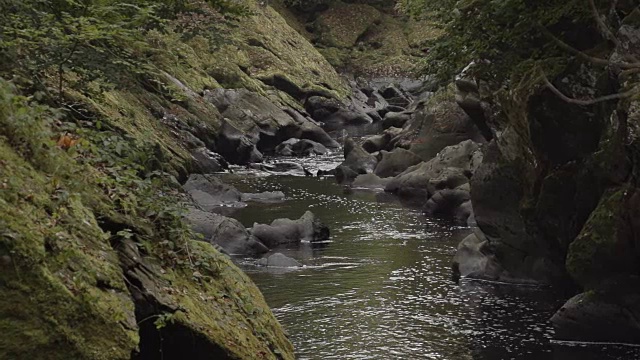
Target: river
(381, 288)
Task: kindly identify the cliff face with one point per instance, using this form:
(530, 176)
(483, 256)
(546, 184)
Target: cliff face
(556, 196)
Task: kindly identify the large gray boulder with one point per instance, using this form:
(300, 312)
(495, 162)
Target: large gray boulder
(210, 193)
(225, 232)
(434, 127)
(208, 162)
(254, 125)
(298, 147)
(291, 232)
(395, 162)
(279, 260)
(608, 315)
(357, 161)
(451, 168)
(474, 259)
(370, 181)
(336, 115)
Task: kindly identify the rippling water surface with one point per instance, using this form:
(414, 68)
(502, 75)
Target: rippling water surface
(381, 287)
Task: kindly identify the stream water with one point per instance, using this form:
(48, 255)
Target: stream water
(381, 288)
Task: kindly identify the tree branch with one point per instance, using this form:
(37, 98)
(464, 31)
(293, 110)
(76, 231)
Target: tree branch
(634, 90)
(594, 60)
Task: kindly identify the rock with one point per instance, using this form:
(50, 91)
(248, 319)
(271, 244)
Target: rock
(279, 260)
(291, 232)
(264, 197)
(226, 232)
(344, 174)
(395, 119)
(395, 162)
(369, 181)
(449, 203)
(235, 146)
(208, 162)
(357, 159)
(297, 147)
(337, 115)
(448, 170)
(210, 193)
(468, 98)
(254, 125)
(376, 142)
(600, 316)
(474, 259)
(433, 128)
(288, 167)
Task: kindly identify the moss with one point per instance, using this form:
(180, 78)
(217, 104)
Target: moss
(595, 254)
(343, 24)
(227, 308)
(62, 291)
(62, 287)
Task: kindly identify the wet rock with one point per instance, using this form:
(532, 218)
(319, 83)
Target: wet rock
(450, 203)
(433, 128)
(210, 193)
(236, 146)
(370, 181)
(376, 142)
(344, 174)
(291, 232)
(395, 162)
(290, 168)
(279, 260)
(475, 260)
(225, 232)
(208, 162)
(336, 115)
(297, 147)
(396, 119)
(596, 316)
(451, 168)
(357, 159)
(264, 197)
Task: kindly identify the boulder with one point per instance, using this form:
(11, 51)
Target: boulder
(336, 115)
(357, 159)
(291, 232)
(225, 232)
(297, 147)
(474, 259)
(208, 162)
(395, 119)
(450, 203)
(395, 162)
(601, 316)
(279, 260)
(210, 193)
(451, 168)
(434, 127)
(369, 181)
(376, 142)
(264, 197)
(236, 146)
(283, 167)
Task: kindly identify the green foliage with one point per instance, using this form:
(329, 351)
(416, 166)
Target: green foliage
(502, 33)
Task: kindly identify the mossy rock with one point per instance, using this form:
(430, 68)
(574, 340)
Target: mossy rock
(343, 24)
(602, 250)
(66, 291)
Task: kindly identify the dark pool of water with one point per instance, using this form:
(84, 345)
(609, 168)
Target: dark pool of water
(382, 288)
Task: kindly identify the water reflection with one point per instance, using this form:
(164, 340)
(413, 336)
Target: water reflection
(381, 288)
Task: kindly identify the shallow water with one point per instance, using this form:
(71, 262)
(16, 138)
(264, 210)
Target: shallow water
(381, 288)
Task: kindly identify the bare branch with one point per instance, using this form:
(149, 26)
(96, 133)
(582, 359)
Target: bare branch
(594, 60)
(606, 31)
(634, 90)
